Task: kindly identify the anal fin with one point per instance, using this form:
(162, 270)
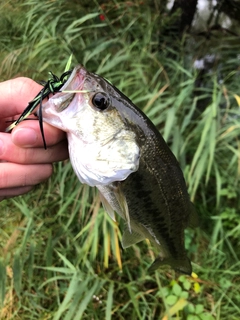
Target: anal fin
(193, 220)
(130, 238)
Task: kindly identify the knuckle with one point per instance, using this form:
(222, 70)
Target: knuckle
(4, 178)
(42, 173)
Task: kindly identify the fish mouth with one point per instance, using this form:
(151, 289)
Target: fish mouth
(74, 84)
(81, 74)
(76, 80)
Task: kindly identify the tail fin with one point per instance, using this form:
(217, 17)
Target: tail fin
(182, 266)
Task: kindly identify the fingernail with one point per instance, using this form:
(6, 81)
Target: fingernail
(24, 137)
(1, 147)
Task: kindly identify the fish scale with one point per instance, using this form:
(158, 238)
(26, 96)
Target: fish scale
(155, 215)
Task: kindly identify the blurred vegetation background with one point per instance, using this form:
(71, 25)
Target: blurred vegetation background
(179, 61)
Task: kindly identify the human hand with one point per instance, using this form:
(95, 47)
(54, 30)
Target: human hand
(23, 160)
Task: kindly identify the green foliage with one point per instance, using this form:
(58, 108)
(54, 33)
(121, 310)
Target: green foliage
(60, 252)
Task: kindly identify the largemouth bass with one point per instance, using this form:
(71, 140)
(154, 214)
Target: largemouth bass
(115, 147)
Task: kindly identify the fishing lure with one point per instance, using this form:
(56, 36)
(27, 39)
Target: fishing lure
(53, 85)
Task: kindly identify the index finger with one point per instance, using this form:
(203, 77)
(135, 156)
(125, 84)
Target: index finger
(28, 134)
(15, 95)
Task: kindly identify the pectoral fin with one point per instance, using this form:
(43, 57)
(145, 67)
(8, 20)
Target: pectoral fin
(107, 207)
(130, 238)
(114, 200)
(123, 205)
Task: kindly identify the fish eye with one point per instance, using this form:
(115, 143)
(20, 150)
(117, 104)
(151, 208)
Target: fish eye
(100, 101)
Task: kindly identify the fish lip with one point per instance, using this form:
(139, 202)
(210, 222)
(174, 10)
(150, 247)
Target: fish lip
(82, 72)
(79, 73)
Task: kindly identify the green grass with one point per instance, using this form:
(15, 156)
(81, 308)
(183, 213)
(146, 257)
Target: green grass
(61, 256)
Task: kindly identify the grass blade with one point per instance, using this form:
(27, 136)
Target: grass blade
(3, 279)
(17, 273)
(109, 301)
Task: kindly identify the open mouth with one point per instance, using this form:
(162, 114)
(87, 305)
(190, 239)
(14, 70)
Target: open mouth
(76, 80)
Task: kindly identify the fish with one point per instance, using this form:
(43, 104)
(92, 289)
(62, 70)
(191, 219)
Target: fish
(115, 147)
